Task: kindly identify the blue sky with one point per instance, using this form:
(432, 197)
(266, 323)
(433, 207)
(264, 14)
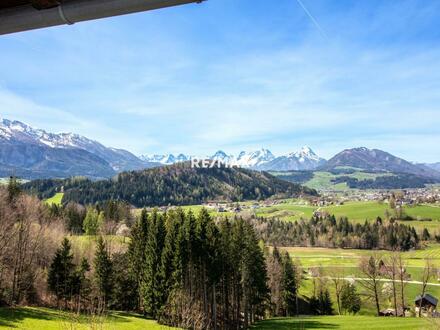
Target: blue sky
(237, 74)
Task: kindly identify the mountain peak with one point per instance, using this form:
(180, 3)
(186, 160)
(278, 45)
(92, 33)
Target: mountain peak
(376, 160)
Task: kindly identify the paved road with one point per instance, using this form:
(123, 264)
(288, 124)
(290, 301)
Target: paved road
(381, 280)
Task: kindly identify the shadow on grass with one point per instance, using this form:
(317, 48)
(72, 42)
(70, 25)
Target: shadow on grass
(12, 317)
(293, 324)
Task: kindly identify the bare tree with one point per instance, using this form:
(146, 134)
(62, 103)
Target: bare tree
(336, 275)
(403, 277)
(428, 273)
(371, 269)
(390, 271)
(27, 241)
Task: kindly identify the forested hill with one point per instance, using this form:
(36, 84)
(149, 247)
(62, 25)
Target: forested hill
(177, 184)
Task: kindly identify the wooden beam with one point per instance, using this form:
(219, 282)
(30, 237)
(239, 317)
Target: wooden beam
(45, 4)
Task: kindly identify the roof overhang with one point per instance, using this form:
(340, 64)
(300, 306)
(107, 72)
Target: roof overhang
(23, 15)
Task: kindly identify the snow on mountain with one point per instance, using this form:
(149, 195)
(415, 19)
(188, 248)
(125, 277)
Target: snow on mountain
(18, 132)
(263, 159)
(167, 159)
(303, 160)
(222, 157)
(254, 159)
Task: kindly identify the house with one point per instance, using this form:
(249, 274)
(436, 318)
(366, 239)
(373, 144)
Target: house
(428, 304)
(391, 312)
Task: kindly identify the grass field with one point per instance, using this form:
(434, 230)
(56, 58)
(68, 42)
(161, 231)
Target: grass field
(346, 323)
(56, 199)
(361, 211)
(294, 209)
(323, 180)
(48, 319)
(354, 211)
(347, 261)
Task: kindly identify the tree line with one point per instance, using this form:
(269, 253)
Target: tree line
(327, 231)
(176, 185)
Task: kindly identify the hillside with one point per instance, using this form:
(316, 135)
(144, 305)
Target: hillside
(342, 179)
(377, 161)
(177, 184)
(32, 153)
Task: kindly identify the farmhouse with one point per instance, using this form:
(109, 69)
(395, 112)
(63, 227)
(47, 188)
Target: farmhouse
(428, 304)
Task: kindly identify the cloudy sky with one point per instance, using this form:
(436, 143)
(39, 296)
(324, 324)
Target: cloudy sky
(237, 74)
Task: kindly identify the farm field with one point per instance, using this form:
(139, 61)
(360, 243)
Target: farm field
(346, 261)
(354, 211)
(345, 323)
(296, 209)
(56, 199)
(31, 318)
(361, 211)
(323, 180)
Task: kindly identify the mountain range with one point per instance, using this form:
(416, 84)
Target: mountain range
(262, 159)
(375, 160)
(34, 153)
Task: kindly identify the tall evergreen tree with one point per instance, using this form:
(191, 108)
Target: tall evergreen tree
(136, 251)
(61, 272)
(151, 283)
(350, 299)
(288, 285)
(103, 271)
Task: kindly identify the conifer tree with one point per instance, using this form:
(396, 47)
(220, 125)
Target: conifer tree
(136, 251)
(103, 271)
(288, 285)
(350, 299)
(151, 283)
(61, 272)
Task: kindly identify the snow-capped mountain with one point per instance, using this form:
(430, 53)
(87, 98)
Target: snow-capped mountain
(304, 159)
(263, 159)
(25, 150)
(167, 159)
(222, 157)
(254, 159)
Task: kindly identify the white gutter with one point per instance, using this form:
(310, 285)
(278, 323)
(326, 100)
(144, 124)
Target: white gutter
(26, 17)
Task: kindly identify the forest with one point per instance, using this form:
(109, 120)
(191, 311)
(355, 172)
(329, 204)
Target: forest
(397, 181)
(182, 269)
(327, 231)
(178, 184)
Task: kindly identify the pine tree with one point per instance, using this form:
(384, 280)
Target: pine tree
(103, 271)
(350, 299)
(136, 251)
(61, 272)
(166, 270)
(81, 284)
(151, 284)
(13, 189)
(125, 292)
(288, 285)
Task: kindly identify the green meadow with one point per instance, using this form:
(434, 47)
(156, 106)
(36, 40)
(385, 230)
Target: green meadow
(56, 199)
(426, 216)
(30, 318)
(346, 263)
(346, 323)
(323, 180)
